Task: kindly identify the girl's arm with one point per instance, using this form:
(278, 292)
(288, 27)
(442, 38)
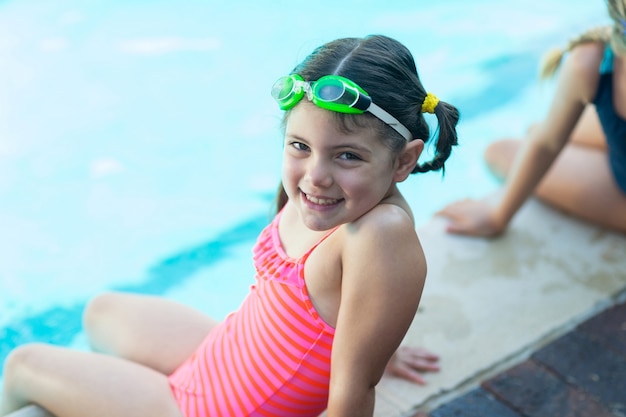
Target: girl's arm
(576, 87)
(383, 272)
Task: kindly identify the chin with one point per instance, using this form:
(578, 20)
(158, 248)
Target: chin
(318, 226)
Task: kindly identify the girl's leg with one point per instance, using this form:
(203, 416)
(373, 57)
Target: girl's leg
(500, 154)
(151, 331)
(580, 181)
(77, 384)
(588, 130)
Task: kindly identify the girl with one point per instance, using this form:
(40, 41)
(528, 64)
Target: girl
(340, 270)
(585, 127)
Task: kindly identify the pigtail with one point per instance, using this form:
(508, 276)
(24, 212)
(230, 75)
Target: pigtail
(552, 59)
(551, 62)
(447, 137)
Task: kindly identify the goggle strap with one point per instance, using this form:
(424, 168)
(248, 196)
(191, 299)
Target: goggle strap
(390, 120)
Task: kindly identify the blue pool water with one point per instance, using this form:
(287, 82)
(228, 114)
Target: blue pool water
(139, 146)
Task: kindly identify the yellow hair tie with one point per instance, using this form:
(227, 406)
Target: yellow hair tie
(429, 104)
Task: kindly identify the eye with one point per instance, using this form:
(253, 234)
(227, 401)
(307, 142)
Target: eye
(299, 146)
(350, 156)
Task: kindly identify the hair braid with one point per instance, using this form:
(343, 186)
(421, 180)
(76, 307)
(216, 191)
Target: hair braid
(448, 117)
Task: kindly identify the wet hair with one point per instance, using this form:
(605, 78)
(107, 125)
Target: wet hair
(614, 34)
(386, 70)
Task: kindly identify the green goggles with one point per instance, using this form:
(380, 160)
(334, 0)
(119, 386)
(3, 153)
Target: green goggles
(335, 93)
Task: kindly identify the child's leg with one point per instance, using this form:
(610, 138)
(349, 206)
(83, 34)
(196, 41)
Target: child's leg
(588, 130)
(77, 384)
(152, 331)
(500, 154)
(580, 181)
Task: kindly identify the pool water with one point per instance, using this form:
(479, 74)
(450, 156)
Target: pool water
(140, 149)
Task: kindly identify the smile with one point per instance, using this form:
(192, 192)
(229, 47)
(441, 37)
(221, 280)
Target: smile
(321, 201)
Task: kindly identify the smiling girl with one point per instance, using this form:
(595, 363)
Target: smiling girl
(339, 271)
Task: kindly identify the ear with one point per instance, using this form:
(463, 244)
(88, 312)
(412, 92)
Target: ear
(408, 159)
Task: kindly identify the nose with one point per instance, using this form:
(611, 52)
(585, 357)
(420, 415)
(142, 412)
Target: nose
(318, 173)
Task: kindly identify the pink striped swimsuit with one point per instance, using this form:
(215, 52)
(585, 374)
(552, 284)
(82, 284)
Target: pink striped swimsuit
(269, 358)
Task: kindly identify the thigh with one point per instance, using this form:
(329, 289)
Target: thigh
(152, 331)
(588, 130)
(580, 182)
(500, 154)
(76, 384)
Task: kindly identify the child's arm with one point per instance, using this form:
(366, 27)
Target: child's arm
(576, 87)
(382, 280)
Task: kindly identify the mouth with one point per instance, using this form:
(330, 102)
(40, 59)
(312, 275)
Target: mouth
(321, 201)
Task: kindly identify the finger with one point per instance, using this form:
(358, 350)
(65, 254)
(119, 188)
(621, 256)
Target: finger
(425, 366)
(441, 213)
(456, 228)
(410, 375)
(412, 354)
(425, 354)
(446, 212)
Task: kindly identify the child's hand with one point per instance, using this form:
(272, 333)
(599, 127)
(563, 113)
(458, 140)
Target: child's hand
(471, 217)
(409, 362)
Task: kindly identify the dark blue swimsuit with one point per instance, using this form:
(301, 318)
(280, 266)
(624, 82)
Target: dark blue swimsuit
(613, 125)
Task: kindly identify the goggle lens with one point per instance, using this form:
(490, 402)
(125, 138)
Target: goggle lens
(329, 91)
(287, 92)
(283, 88)
(338, 94)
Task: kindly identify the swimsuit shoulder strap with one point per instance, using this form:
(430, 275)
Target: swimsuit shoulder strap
(607, 61)
(275, 235)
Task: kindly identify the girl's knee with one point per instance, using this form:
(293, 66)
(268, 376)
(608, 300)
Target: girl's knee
(97, 309)
(23, 360)
(98, 318)
(18, 368)
(499, 156)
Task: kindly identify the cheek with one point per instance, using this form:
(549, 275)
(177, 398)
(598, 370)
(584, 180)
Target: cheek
(289, 172)
(370, 185)
(356, 185)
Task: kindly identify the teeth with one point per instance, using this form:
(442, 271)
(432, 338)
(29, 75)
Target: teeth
(321, 201)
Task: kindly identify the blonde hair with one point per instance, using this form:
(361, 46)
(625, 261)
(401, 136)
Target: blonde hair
(614, 34)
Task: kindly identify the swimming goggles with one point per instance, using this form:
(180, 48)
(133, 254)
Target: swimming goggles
(335, 93)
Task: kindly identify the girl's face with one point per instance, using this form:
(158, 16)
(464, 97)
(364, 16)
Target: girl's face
(332, 177)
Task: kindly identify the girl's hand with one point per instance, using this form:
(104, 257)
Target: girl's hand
(471, 217)
(410, 362)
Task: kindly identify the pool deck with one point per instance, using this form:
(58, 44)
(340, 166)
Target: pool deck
(582, 373)
(531, 324)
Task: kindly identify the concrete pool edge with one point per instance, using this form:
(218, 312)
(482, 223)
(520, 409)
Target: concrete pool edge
(489, 303)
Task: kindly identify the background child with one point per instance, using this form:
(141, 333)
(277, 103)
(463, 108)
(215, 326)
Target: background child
(340, 270)
(575, 160)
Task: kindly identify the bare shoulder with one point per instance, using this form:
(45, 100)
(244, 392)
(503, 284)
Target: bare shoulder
(587, 56)
(384, 220)
(385, 238)
(583, 65)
